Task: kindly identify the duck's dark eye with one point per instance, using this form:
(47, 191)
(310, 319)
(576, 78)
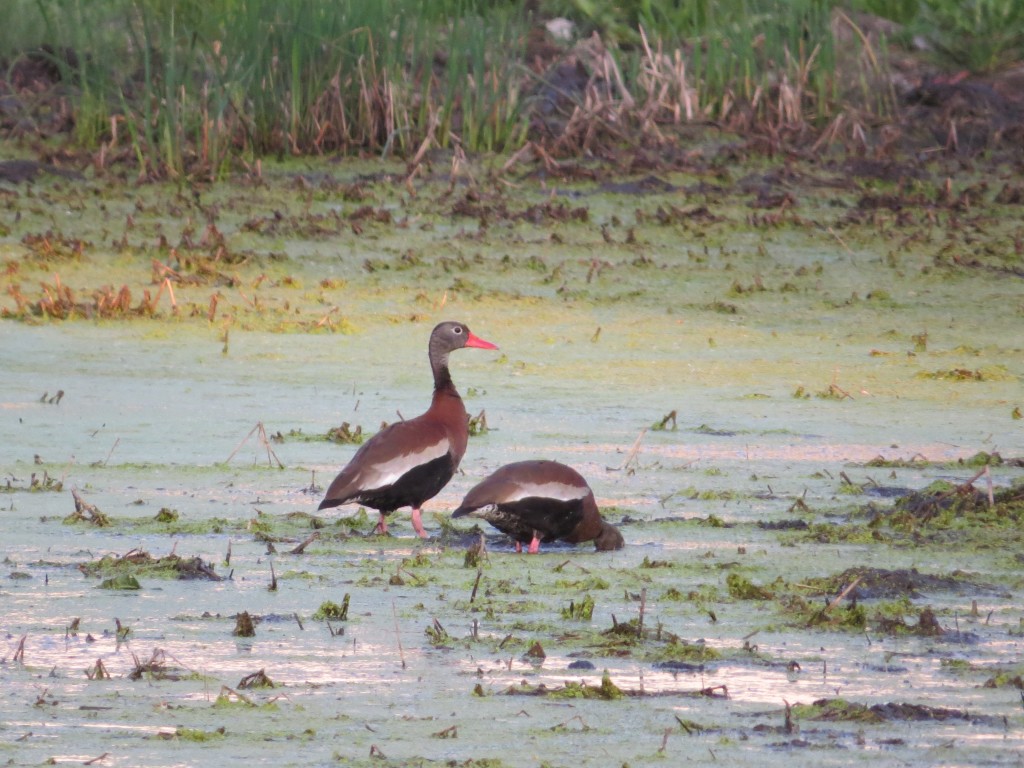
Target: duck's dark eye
(457, 330)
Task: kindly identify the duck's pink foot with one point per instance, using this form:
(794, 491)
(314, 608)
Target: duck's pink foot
(534, 545)
(519, 547)
(417, 523)
(382, 526)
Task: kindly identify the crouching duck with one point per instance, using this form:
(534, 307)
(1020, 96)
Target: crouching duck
(540, 501)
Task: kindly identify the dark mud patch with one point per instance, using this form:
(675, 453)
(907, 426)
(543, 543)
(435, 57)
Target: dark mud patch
(943, 506)
(887, 491)
(472, 206)
(986, 113)
(840, 710)
(17, 171)
(791, 524)
(983, 517)
(647, 185)
(882, 583)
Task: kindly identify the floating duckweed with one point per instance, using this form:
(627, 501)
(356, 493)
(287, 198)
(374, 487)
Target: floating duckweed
(194, 734)
(121, 581)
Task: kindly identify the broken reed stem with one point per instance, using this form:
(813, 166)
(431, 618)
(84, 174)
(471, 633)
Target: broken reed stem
(261, 432)
(398, 636)
(111, 453)
(962, 487)
(835, 388)
(266, 444)
(664, 740)
(301, 547)
(842, 595)
(839, 240)
(476, 584)
(273, 578)
(244, 440)
(19, 654)
(632, 451)
(98, 672)
(643, 606)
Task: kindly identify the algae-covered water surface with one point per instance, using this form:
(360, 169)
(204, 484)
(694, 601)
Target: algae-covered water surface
(796, 392)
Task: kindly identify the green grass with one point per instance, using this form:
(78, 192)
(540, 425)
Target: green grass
(977, 35)
(191, 88)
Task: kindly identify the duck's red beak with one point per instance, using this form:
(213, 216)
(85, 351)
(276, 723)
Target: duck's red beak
(476, 341)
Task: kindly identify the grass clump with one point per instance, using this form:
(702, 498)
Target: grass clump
(978, 35)
(741, 588)
(331, 611)
(579, 611)
(36, 483)
(437, 635)
(166, 515)
(1006, 679)
(606, 691)
(849, 617)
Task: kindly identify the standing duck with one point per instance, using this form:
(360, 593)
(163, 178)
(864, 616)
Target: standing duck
(410, 461)
(540, 501)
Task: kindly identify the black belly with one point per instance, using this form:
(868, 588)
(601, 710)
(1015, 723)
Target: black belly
(551, 519)
(411, 489)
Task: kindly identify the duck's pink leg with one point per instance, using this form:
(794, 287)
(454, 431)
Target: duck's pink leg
(382, 526)
(534, 545)
(417, 523)
(519, 547)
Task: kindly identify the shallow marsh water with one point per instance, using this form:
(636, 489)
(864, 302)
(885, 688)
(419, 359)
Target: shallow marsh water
(738, 326)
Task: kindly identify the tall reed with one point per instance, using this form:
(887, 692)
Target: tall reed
(192, 83)
(201, 86)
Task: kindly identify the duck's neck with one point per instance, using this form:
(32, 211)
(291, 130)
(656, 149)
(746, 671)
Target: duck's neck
(442, 376)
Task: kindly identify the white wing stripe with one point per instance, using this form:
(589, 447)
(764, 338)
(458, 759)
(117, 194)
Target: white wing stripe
(552, 490)
(385, 474)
